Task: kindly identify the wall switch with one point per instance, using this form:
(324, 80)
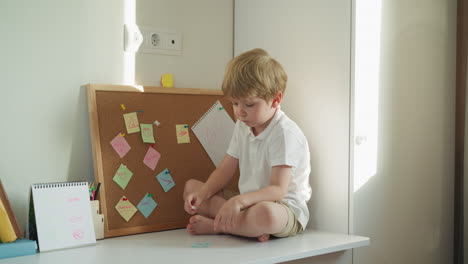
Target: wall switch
(132, 38)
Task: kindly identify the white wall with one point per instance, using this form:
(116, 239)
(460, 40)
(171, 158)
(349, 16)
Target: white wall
(207, 33)
(48, 49)
(407, 207)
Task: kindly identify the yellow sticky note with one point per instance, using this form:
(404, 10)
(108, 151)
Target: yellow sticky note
(125, 208)
(182, 134)
(131, 122)
(167, 80)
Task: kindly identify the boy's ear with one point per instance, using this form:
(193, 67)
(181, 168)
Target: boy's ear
(277, 100)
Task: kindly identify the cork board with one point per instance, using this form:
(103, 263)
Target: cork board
(170, 107)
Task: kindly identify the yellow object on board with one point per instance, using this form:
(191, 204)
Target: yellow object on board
(7, 233)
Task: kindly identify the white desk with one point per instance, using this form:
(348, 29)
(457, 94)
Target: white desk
(175, 247)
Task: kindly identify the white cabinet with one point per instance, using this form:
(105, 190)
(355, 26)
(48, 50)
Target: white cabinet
(403, 200)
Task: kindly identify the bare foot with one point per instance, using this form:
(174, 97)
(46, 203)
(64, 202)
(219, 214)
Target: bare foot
(200, 225)
(264, 238)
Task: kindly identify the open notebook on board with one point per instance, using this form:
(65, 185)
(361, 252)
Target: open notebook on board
(214, 131)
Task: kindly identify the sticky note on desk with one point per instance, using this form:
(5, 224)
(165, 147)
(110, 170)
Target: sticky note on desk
(182, 134)
(131, 122)
(201, 245)
(165, 179)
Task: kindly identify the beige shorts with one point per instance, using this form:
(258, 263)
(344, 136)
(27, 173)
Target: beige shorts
(293, 227)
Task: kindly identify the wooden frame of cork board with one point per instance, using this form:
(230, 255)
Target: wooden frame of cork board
(170, 107)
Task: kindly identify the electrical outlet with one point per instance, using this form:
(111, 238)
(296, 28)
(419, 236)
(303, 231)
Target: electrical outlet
(155, 39)
(161, 41)
(173, 41)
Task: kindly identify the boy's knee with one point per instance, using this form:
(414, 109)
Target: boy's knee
(265, 213)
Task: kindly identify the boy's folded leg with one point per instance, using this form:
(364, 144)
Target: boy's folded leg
(293, 227)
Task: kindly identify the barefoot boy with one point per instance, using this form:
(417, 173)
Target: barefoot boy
(269, 149)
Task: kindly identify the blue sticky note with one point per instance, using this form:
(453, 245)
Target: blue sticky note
(165, 180)
(147, 205)
(201, 245)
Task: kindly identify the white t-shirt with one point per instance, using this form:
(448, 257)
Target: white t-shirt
(281, 143)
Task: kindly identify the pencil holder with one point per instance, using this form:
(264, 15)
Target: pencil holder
(98, 220)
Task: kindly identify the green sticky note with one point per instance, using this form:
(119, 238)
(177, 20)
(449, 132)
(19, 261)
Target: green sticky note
(122, 176)
(147, 133)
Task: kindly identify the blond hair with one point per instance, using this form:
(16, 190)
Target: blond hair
(254, 74)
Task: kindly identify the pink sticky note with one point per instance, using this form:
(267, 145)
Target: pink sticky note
(120, 145)
(151, 158)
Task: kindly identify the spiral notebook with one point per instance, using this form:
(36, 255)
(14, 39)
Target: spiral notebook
(62, 213)
(214, 131)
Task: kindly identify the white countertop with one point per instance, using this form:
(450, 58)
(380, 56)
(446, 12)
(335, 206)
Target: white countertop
(175, 246)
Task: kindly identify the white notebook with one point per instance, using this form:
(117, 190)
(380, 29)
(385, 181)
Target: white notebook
(63, 215)
(214, 131)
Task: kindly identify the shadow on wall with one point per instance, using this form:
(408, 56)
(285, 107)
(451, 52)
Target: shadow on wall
(81, 157)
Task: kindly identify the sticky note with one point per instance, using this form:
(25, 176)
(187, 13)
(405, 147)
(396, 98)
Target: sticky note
(125, 208)
(131, 122)
(120, 145)
(167, 80)
(165, 179)
(147, 205)
(201, 245)
(151, 158)
(147, 133)
(122, 176)
(182, 134)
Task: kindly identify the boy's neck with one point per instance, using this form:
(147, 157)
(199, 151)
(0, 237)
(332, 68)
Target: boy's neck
(257, 131)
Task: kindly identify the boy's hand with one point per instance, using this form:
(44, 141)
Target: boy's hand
(193, 201)
(226, 219)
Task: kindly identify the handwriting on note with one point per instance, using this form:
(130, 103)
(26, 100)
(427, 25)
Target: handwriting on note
(182, 134)
(166, 180)
(122, 176)
(131, 122)
(74, 199)
(147, 205)
(120, 145)
(151, 158)
(147, 133)
(125, 208)
(78, 234)
(76, 219)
